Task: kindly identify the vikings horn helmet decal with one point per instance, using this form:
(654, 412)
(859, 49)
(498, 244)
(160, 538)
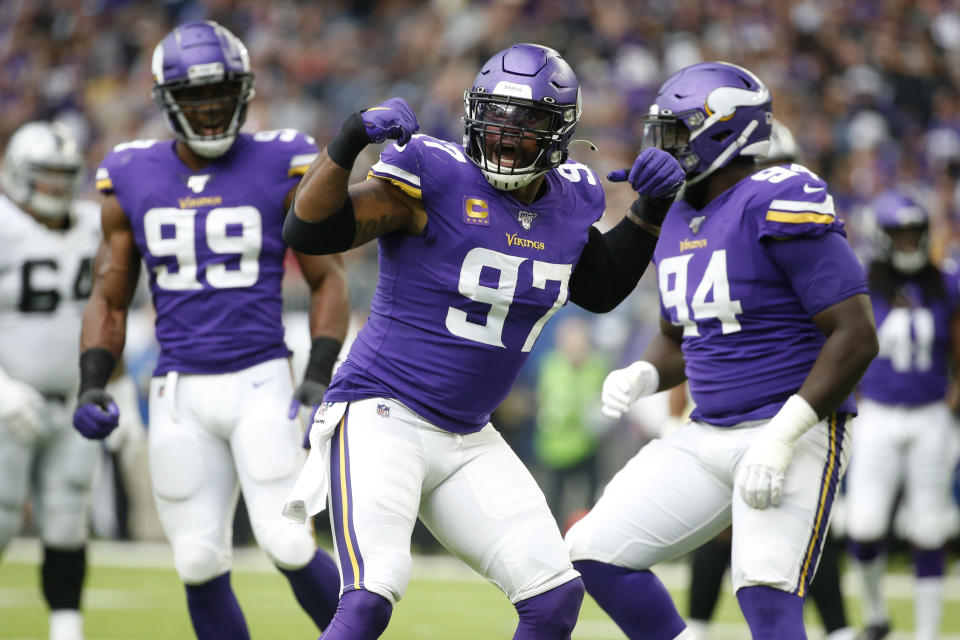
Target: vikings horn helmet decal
(707, 114)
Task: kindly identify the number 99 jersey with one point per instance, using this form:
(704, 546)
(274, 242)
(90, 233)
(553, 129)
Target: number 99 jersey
(744, 276)
(45, 280)
(211, 241)
(458, 309)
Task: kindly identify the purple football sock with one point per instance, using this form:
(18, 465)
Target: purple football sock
(929, 563)
(317, 587)
(551, 615)
(772, 614)
(215, 611)
(636, 600)
(361, 615)
(866, 551)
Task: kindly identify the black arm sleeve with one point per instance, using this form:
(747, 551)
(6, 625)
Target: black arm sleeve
(610, 266)
(333, 235)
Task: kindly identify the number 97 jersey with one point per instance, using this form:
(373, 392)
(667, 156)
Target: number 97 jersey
(458, 308)
(211, 241)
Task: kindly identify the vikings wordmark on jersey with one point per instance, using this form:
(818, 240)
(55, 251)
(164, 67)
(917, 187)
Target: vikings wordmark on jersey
(212, 243)
(469, 297)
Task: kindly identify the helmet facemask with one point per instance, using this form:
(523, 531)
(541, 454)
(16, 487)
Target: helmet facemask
(514, 140)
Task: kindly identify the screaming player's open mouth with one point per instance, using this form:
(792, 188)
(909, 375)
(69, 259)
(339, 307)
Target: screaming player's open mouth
(506, 154)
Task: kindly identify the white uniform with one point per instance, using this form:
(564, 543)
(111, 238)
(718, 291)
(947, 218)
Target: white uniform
(45, 278)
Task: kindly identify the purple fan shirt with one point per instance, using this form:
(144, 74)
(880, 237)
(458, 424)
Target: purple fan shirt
(744, 276)
(211, 241)
(913, 366)
(458, 308)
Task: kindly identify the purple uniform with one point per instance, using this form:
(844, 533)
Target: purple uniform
(912, 367)
(743, 277)
(457, 309)
(211, 240)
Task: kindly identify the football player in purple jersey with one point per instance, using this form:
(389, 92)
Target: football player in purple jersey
(711, 560)
(764, 312)
(480, 243)
(205, 211)
(905, 432)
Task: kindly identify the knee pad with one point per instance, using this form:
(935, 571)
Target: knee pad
(197, 563)
(553, 614)
(289, 545)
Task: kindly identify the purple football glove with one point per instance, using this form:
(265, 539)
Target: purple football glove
(96, 415)
(392, 119)
(655, 174)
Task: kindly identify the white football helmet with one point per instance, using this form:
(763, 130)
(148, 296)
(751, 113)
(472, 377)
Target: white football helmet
(42, 168)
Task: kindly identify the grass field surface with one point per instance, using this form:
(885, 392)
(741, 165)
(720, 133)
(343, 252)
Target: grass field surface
(132, 593)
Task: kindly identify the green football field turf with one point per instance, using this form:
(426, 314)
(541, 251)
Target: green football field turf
(133, 594)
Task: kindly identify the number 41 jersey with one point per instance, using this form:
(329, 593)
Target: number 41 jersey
(457, 309)
(744, 276)
(211, 241)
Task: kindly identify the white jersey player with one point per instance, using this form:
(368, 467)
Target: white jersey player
(47, 244)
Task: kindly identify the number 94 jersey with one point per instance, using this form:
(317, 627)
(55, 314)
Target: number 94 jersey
(458, 308)
(744, 276)
(211, 241)
(45, 279)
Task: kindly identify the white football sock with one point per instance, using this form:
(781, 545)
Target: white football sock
(871, 575)
(927, 607)
(66, 624)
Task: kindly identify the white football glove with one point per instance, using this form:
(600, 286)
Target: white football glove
(760, 479)
(20, 406)
(623, 387)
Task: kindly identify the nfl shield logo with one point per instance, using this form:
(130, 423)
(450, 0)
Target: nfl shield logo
(383, 411)
(526, 218)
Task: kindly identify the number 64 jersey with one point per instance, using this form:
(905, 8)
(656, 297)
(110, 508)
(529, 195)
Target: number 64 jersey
(744, 276)
(211, 240)
(458, 308)
(45, 279)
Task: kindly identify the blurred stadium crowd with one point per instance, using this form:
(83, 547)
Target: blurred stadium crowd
(870, 88)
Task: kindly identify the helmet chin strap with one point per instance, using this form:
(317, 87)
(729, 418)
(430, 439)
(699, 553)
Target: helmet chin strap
(211, 148)
(908, 261)
(721, 159)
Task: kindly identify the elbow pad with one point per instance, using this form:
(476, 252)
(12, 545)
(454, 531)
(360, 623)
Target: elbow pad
(331, 235)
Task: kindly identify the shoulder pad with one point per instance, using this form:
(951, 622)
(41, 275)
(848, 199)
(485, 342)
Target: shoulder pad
(791, 201)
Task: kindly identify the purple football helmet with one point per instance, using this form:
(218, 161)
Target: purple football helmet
(520, 115)
(202, 82)
(902, 231)
(724, 110)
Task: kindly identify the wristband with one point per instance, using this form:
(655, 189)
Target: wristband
(96, 367)
(794, 419)
(348, 144)
(323, 355)
(651, 210)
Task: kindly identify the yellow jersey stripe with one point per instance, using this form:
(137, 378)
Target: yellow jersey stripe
(406, 188)
(821, 507)
(297, 171)
(345, 499)
(799, 217)
(105, 184)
